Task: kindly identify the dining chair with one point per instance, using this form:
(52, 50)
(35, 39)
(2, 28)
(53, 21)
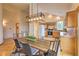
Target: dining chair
(18, 47)
(27, 50)
(23, 49)
(53, 50)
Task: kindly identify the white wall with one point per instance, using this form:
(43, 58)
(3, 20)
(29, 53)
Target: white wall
(31, 28)
(34, 29)
(1, 25)
(24, 26)
(13, 16)
(11, 19)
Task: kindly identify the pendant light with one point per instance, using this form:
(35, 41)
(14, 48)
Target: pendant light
(35, 17)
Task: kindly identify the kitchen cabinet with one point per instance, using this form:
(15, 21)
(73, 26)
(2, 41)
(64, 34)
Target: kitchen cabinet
(69, 43)
(68, 46)
(71, 19)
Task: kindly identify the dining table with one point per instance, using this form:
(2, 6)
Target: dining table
(42, 45)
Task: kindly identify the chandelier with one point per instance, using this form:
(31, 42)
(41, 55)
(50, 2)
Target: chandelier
(36, 17)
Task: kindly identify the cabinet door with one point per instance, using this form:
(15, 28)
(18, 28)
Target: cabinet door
(71, 19)
(68, 46)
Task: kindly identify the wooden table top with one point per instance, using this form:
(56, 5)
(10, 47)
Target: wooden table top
(39, 44)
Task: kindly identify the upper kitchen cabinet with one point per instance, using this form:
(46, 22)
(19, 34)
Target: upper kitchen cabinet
(71, 19)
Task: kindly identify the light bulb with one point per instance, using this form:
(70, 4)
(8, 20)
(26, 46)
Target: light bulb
(34, 18)
(37, 18)
(29, 19)
(40, 17)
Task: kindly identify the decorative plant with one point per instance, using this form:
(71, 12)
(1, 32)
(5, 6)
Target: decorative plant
(31, 38)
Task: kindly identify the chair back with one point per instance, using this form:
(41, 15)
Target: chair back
(17, 43)
(26, 48)
(54, 48)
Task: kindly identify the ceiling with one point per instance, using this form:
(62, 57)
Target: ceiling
(54, 8)
(18, 6)
(21, 6)
(59, 9)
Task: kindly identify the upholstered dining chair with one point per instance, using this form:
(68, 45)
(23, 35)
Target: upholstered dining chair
(27, 50)
(18, 47)
(23, 49)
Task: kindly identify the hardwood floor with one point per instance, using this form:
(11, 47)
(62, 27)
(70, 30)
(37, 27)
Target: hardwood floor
(7, 47)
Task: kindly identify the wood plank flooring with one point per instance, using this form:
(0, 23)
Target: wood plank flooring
(7, 47)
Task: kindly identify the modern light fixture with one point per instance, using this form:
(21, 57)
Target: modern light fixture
(36, 17)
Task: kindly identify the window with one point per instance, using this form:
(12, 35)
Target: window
(60, 25)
